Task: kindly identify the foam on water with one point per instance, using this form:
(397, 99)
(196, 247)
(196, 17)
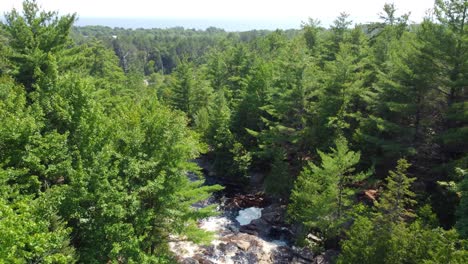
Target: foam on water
(248, 215)
(215, 223)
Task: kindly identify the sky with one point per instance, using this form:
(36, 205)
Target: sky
(271, 11)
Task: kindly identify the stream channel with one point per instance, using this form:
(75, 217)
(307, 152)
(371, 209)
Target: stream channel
(250, 228)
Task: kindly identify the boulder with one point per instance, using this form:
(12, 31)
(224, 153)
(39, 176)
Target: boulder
(243, 257)
(326, 257)
(369, 196)
(274, 214)
(314, 238)
(256, 179)
(227, 248)
(243, 245)
(189, 261)
(202, 259)
(247, 200)
(280, 233)
(208, 250)
(282, 255)
(303, 254)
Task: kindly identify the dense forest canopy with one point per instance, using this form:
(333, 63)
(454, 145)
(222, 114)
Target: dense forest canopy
(100, 127)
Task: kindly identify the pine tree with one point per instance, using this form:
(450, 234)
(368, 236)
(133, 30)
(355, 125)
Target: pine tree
(341, 101)
(401, 109)
(248, 114)
(359, 247)
(34, 36)
(462, 211)
(278, 181)
(322, 195)
(387, 237)
(338, 32)
(385, 33)
(397, 197)
(190, 92)
(230, 157)
(287, 109)
(445, 40)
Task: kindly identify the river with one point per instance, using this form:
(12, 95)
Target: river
(250, 228)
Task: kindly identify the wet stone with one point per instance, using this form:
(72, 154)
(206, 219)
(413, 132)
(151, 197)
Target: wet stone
(190, 261)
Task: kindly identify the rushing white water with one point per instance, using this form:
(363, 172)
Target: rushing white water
(229, 244)
(183, 249)
(246, 216)
(215, 223)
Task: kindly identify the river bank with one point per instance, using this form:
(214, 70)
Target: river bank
(250, 228)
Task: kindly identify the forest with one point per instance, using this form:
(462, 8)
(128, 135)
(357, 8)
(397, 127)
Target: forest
(361, 131)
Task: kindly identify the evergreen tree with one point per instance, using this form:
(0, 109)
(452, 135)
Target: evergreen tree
(190, 92)
(385, 33)
(397, 197)
(33, 36)
(287, 110)
(462, 212)
(322, 195)
(401, 119)
(311, 36)
(368, 243)
(386, 236)
(338, 33)
(341, 98)
(248, 115)
(445, 41)
(278, 181)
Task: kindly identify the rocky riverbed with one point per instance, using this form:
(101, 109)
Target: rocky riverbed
(249, 229)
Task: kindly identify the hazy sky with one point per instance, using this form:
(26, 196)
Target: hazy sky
(325, 10)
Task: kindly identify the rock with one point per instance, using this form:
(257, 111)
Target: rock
(233, 229)
(247, 200)
(303, 253)
(249, 229)
(257, 227)
(243, 245)
(190, 261)
(227, 248)
(369, 196)
(274, 214)
(202, 260)
(256, 179)
(245, 258)
(282, 255)
(208, 250)
(280, 233)
(314, 238)
(327, 257)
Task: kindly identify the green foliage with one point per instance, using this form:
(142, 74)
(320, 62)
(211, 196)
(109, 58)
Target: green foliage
(249, 113)
(369, 243)
(397, 197)
(359, 248)
(387, 237)
(338, 32)
(99, 125)
(86, 164)
(311, 30)
(190, 93)
(323, 195)
(462, 211)
(34, 36)
(278, 181)
(230, 157)
(27, 236)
